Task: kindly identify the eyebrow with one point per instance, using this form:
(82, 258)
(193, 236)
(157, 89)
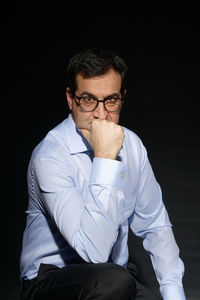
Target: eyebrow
(85, 93)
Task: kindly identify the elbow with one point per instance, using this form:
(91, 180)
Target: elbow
(92, 253)
(92, 243)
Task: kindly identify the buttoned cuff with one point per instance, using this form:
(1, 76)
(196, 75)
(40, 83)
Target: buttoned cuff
(172, 292)
(107, 171)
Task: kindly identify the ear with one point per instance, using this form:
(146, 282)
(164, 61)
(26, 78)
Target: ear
(124, 93)
(69, 97)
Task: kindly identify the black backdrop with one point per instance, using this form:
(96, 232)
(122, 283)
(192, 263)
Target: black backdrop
(161, 48)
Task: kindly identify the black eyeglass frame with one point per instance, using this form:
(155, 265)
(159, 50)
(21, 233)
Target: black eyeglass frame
(98, 101)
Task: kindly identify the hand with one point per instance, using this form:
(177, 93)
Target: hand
(105, 137)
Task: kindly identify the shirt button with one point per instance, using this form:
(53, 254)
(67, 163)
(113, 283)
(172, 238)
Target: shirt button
(121, 175)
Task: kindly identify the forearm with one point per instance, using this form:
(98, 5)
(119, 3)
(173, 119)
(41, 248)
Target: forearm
(99, 222)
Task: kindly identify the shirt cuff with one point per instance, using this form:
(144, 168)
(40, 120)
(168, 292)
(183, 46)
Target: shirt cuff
(107, 172)
(173, 292)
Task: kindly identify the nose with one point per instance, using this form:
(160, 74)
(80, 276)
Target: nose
(100, 112)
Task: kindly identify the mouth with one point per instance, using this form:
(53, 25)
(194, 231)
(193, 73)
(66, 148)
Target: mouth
(85, 126)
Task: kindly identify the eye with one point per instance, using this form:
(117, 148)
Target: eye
(88, 99)
(112, 100)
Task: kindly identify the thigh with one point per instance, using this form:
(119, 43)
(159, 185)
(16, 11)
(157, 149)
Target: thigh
(59, 283)
(84, 281)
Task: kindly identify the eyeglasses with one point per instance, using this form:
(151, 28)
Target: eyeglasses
(89, 103)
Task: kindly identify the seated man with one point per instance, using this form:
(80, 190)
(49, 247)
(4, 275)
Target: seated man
(89, 181)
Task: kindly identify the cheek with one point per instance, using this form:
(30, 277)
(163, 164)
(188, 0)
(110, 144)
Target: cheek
(114, 118)
(82, 119)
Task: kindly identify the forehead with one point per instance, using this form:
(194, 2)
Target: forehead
(108, 82)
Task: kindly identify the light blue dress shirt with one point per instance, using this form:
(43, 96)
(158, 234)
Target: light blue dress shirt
(80, 207)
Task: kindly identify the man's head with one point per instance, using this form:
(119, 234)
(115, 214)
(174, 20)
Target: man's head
(96, 74)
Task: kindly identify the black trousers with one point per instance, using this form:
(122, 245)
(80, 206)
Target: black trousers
(86, 281)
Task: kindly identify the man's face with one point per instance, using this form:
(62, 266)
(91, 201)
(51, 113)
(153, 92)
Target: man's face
(100, 87)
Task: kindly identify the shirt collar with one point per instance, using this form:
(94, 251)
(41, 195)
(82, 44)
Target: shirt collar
(75, 140)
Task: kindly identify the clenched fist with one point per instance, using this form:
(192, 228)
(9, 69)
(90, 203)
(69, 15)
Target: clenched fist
(105, 137)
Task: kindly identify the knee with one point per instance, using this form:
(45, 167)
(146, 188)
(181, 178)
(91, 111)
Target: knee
(123, 281)
(116, 283)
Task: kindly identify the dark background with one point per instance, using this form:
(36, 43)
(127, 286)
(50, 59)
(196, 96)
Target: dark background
(161, 47)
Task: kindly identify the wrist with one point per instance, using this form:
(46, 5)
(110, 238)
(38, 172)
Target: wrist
(105, 155)
(107, 172)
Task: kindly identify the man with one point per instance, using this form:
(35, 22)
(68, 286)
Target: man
(89, 180)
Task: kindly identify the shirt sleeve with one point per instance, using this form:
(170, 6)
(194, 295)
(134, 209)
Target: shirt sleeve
(173, 292)
(151, 222)
(89, 225)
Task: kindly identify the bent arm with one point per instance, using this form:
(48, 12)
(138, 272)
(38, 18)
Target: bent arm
(89, 223)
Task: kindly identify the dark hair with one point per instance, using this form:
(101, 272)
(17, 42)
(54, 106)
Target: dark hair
(95, 62)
